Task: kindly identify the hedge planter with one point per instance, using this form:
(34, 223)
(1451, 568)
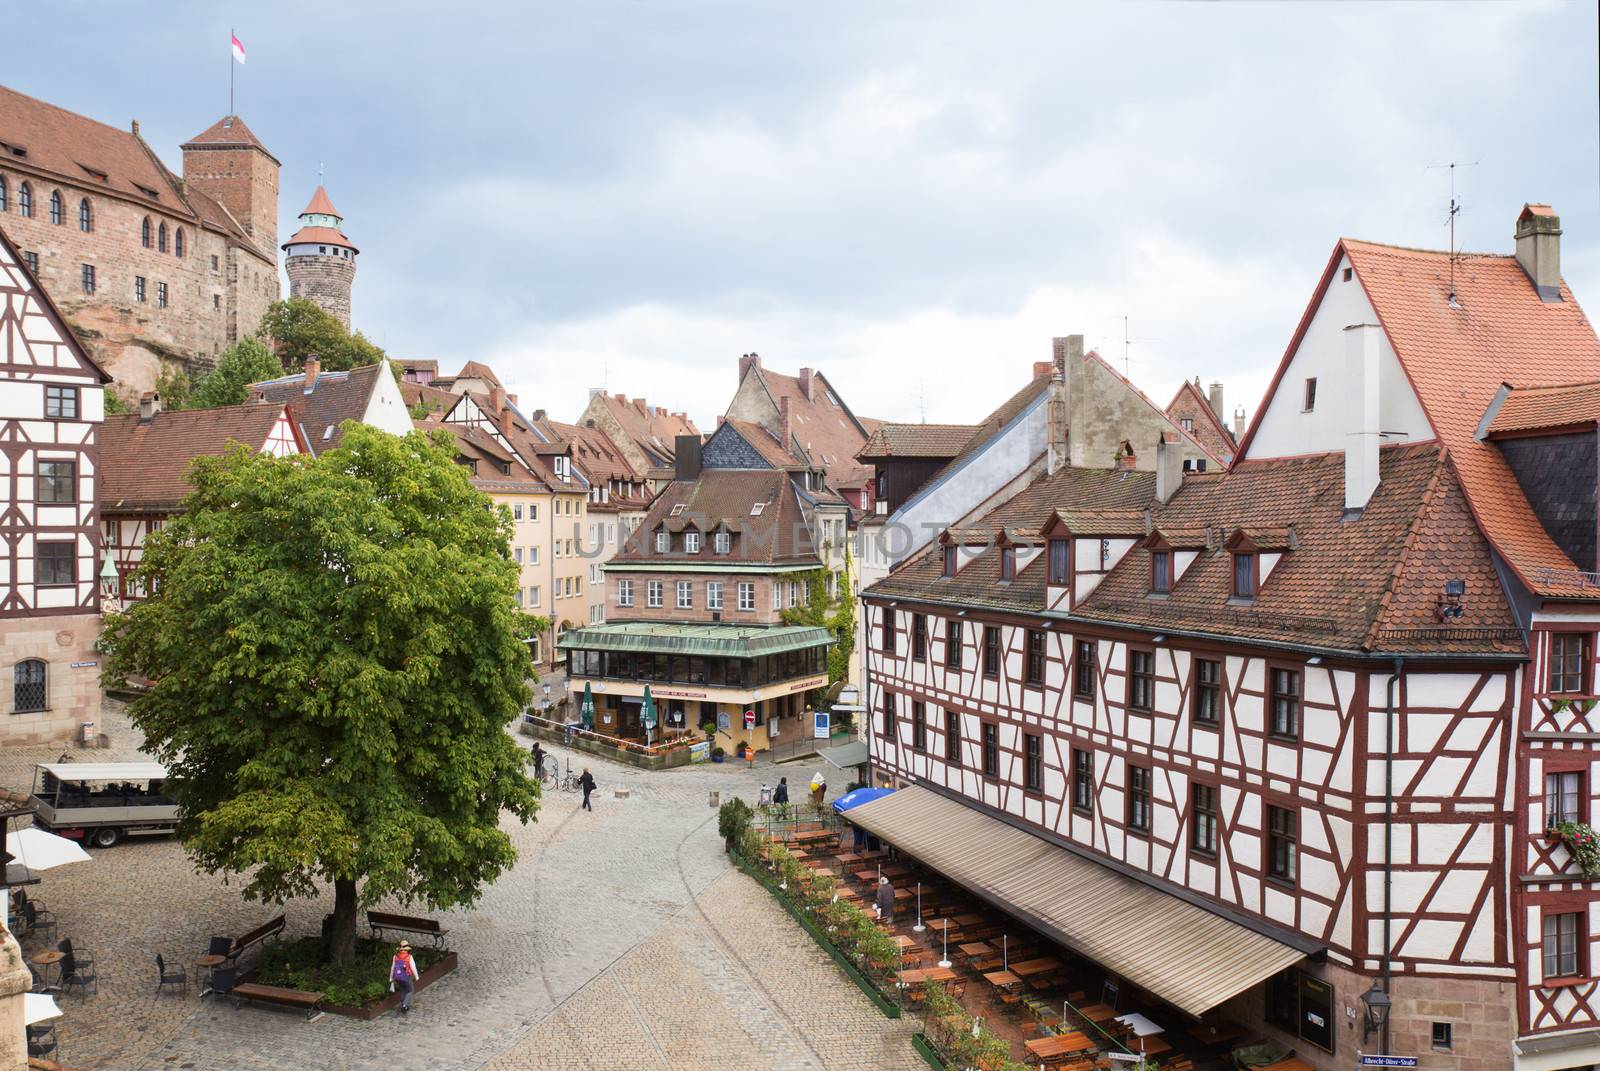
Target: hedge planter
(374, 1008)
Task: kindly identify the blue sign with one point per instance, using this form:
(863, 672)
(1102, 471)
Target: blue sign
(1388, 1061)
(820, 728)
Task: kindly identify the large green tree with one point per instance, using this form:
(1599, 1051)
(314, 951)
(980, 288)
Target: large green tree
(301, 328)
(335, 654)
(249, 361)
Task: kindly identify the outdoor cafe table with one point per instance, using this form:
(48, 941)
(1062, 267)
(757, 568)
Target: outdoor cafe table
(1031, 967)
(47, 960)
(922, 976)
(968, 921)
(1097, 1013)
(940, 925)
(902, 942)
(799, 853)
(1059, 1045)
(974, 949)
(845, 892)
(1001, 979)
(1142, 1026)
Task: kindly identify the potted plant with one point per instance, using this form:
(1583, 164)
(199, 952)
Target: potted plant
(733, 818)
(718, 754)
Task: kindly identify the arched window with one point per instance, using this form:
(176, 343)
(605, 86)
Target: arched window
(27, 689)
(161, 238)
(177, 242)
(144, 232)
(55, 207)
(5, 197)
(85, 215)
(25, 200)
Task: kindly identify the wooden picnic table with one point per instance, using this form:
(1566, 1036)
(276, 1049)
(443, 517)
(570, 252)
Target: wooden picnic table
(1097, 1013)
(969, 920)
(1029, 968)
(845, 892)
(975, 949)
(924, 975)
(799, 853)
(1059, 1045)
(1001, 979)
(893, 871)
(902, 942)
(939, 925)
(1149, 1044)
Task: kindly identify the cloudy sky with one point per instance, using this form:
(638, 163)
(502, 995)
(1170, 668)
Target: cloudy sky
(912, 197)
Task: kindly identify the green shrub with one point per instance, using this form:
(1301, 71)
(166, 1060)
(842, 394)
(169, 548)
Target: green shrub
(733, 818)
(298, 964)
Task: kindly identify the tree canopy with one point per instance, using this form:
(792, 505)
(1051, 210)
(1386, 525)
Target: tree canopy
(304, 329)
(335, 653)
(250, 361)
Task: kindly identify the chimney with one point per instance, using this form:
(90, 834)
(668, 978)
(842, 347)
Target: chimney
(312, 369)
(149, 406)
(1238, 424)
(686, 457)
(1127, 460)
(497, 400)
(1363, 434)
(805, 383)
(538, 416)
(511, 398)
(622, 399)
(642, 405)
(747, 362)
(1043, 369)
(1539, 249)
(1216, 401)
(1169, 467)
(136, 128)
(661, 410)
(785, 421)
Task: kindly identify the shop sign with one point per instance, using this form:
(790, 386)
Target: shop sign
(820, 729)
(700, 751)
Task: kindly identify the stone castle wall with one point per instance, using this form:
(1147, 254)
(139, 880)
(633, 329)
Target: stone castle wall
(325, 280)
(216, 293)
(66, 643)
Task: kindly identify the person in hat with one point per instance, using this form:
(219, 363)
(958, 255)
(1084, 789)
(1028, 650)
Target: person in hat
(403, 975)
(885, 900)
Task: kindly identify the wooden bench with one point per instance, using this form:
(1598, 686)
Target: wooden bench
(241, 945)
(383, 920)
(310, 1003)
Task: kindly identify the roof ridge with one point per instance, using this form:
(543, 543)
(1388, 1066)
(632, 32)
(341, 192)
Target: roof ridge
(1425, 503)
(1419, 249)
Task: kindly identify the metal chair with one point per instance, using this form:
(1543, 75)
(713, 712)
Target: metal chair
(221, 946)
(74, 973)
(83, 958)
(223, 979)
(42, 1040)
(38, 918)
(177, 976)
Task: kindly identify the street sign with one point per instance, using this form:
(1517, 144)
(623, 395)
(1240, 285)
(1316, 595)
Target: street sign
(820, 728)
(1388, 1061)
(749, 719)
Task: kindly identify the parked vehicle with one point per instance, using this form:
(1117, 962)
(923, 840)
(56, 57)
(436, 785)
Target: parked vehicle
(100, 803)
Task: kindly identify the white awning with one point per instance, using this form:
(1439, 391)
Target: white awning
(1189, 957)
(106, 771)
(38, 850)
(37, 1007)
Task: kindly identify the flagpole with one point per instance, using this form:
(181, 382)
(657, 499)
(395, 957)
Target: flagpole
(230, 70)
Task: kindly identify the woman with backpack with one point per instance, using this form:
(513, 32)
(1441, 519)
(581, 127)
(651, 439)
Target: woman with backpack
(403, 974)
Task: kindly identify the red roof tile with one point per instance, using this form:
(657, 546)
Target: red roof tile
(320, 236)
(1537, 408)
(144, 465)
(334, 398)
(932, 441)
(779, 534)
(230, 130)
(826, 429)
(320, 205)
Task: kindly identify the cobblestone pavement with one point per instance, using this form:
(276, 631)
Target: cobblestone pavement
(621, 939)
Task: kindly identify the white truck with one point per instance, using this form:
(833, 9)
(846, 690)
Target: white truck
(100, 803)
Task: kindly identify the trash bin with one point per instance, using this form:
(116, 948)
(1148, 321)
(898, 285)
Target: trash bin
(86, 732)
(716, 800)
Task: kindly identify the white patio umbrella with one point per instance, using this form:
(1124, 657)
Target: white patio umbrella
(37, 1007)
(38, 850)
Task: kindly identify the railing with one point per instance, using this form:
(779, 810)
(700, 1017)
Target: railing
(665, 747)
(1577, 578)
(1450, 634)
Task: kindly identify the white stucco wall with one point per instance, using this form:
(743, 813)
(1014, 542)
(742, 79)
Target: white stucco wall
(386, 408)
(1286, 430)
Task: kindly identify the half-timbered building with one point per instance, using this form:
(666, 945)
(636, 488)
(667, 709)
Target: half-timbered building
(1340, 697)
(52, 401)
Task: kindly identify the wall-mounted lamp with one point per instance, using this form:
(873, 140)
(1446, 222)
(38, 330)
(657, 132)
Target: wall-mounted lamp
(1377, 1004)
(1450, 601)
(1314, 660)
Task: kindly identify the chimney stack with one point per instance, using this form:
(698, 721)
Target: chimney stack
(785, 422)
(539, 416)
(497, 400)
(1216, 402)
(136, 128)
(805, 383)
(1364, 436)
(312, 369)
(1539, 249)
(1169, 467)
(1238, 424)
(746, 362)
(1066, 350)
(685, 457)
(149, 406)
(1043, 369)
(511, 398)
(643, 406)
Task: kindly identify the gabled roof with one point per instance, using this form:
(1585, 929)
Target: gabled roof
(23, 301)
(599, 457)
(778, 534)
(778, 455)
(496, 468)
(433, 398)
(652, 428)
(826, 429)
(144, 465)
(1209, 429)
(333, 398)
(1456, 358)
(939, 442)
(1177, 428)
(1522, 409)
(228, 132)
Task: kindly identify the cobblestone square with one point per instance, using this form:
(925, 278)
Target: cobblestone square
(621, 939)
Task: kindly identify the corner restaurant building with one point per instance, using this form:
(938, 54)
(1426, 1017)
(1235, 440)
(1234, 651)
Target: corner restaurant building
(695, 606)
(1307, 726)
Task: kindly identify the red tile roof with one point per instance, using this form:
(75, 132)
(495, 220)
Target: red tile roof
(230, 130)
(144, 465)
(931, 441)
(1538, 408)
(652, 428)
(320, 236)
(778, 535)
(1209, 429)
(1457, 358)
(829, 433)
(495, 468)
(320, 205)
(334, 398)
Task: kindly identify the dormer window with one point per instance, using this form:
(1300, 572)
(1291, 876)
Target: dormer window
(563, 467)
(663, 541)
(949, 560)
(755, 510)
(722, 543)
(1244, 575)
(691, 542)
(1008, 563)
(1060, 561)
(1160, 572)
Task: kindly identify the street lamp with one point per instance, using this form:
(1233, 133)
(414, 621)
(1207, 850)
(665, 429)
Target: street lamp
(108, 579)
(1377, 1005)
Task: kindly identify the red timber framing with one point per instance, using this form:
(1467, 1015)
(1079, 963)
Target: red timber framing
(1452, 749)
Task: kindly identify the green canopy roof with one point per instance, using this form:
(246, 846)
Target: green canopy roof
(727, 641)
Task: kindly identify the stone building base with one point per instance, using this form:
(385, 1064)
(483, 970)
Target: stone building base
(66, 643)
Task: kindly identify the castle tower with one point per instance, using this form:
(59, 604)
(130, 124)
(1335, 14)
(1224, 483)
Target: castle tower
(321, 262)
(228, 164)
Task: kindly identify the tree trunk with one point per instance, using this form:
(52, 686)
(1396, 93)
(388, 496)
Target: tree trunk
(342, 935)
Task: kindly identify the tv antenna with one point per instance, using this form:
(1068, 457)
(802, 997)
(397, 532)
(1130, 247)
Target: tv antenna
(1450, 221)
(1127, 344)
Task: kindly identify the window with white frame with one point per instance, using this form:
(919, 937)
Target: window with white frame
(722, 542)
(516, 511)
(691, 542)
(685, 594)
(747, 595)
(714, 595)
(533, 555)
(624, 593)
(533, 595)
(652, 594)
(777, 594)
(663, 541)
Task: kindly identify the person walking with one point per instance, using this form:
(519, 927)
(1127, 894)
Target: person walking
(781, 793)
(403, 974)
(885, 900)
(819, 788)
(586, 782)
(538, 760)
